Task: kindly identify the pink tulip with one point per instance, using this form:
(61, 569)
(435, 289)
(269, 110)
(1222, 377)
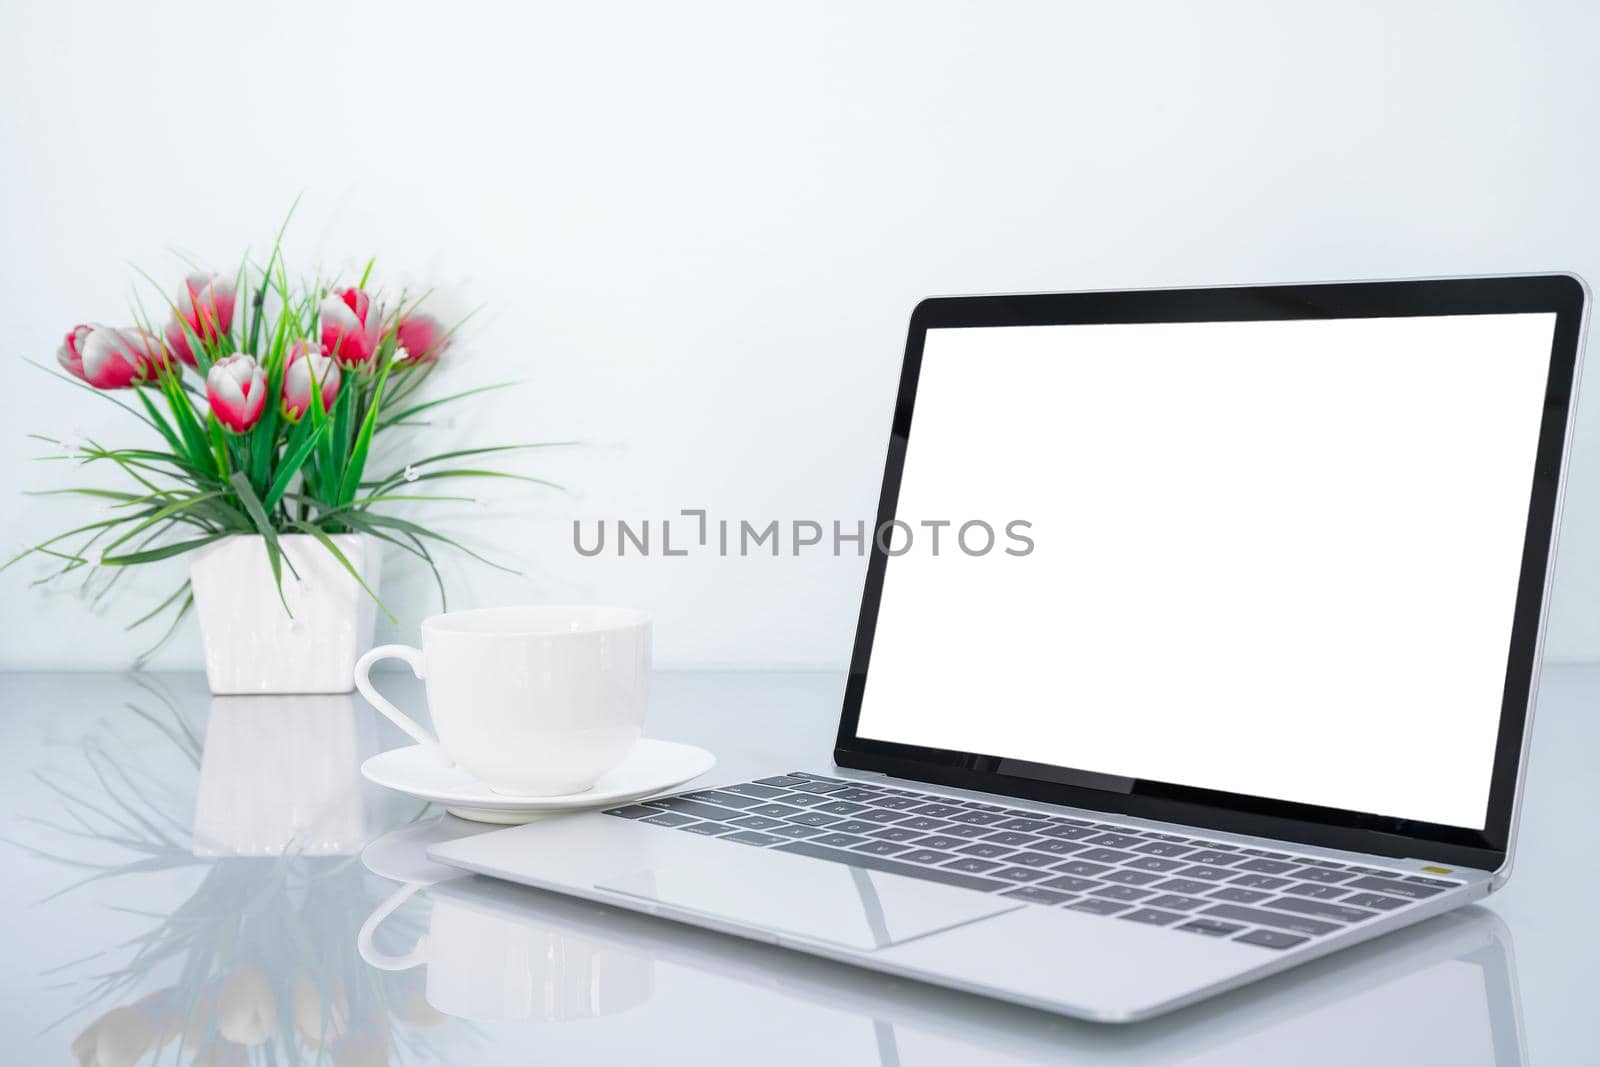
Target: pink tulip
(308, 360)
(70, 354)
(422, 338)
(351, 327)
(237, 390)
(205, 305)
(116, 359)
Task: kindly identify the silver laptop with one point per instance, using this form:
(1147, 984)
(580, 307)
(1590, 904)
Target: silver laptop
(1199, 639)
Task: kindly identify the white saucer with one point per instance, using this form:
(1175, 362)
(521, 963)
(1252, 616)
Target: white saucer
(652, 767)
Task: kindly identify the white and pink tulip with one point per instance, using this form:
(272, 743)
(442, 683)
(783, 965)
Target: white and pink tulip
(110, 358)
(422, 338)
(237, 391)
(204, 305)
(351, 327)
(307, 362)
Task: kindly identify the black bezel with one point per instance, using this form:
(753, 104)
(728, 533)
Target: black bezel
(1336, 828)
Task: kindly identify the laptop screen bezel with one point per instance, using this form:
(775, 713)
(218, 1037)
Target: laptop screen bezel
(1561, 294)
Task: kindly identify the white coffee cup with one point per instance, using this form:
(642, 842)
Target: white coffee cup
(532, 701)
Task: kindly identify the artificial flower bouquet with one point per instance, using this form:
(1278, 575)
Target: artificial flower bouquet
(263, 402)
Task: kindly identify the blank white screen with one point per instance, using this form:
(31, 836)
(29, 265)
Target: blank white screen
(1272, 558)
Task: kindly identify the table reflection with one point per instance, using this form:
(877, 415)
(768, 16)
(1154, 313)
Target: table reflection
(1440, 992)
(284, 912)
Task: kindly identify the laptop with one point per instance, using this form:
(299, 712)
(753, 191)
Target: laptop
(1243, 677)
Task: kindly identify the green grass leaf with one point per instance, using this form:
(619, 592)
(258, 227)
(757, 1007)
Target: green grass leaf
(151, 555)
(338, 554)
(258, 515)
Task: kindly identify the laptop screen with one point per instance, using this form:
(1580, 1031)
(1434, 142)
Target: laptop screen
(1273, 558)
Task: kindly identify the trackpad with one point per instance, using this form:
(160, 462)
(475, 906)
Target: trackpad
(808, 898)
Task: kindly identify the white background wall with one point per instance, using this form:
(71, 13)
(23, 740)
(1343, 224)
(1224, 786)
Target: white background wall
(697, 229)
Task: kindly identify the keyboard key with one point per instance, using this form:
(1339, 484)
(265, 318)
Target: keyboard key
(1318, 874)
(1210, 874)
(818, 787)
(972, 865)
(978, 818)
(781, 780)
(1213, 844)
(1037, 895)
(1264, 853)
(1097, 906)
(1120, 892)
(795, 830)
(1033, 859)
(1070, 884)
(1085, 823)
(1271, 939)
(980, 806)
(1080, 868)
(967, 830)
(922, 823)
(841, 807)
(856, 858)
(803, 800)
(881, 848)
(1173, 900)
(1122, 876)
(898, 803)
(1183, 885)
(838, 840)
(755, 822)
(1151, 916)
(938, 811)
(881, 815)
(725, 799)
(1056, 847)
(940, 841)
(1212, 857)
(1309, 862)
(673, 818)
(985, 850)
(1321, 909)
(1300, 924)
(855, 826)
(1240, 896)
(750, 789)
(631, 811)
(1260, 881)
(1067, 832)
(1210, 927)
(813, 818)
(1155, 863)
(1031, 826)
(1374, 900)
(1019, 874)
(926, 855)
(1115, 828)
(707, 829)
(750, 837)
(1011, 838)
(1395, 888)
(1104, 855)
(1266, 866)
(1164, 848)
(1116, 840)
(1372, 870)
(1437, 883)
(1153, 836)
(1319, 892)
(776, 811)
(896, 833)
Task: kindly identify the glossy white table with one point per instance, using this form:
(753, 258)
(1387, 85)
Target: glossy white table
(234, 858)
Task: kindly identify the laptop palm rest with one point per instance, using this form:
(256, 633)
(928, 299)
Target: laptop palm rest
(824, 902)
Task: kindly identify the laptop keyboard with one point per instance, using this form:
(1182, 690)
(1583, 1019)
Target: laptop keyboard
(1276, 900)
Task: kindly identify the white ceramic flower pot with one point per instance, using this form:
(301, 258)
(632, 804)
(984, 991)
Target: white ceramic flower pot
(252, 645)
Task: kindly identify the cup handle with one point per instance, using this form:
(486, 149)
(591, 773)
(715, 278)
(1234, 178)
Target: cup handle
(382, 960)
(413, 657)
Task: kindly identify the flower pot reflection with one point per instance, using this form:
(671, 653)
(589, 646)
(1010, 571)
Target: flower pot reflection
(485, 964)
(282, 774)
